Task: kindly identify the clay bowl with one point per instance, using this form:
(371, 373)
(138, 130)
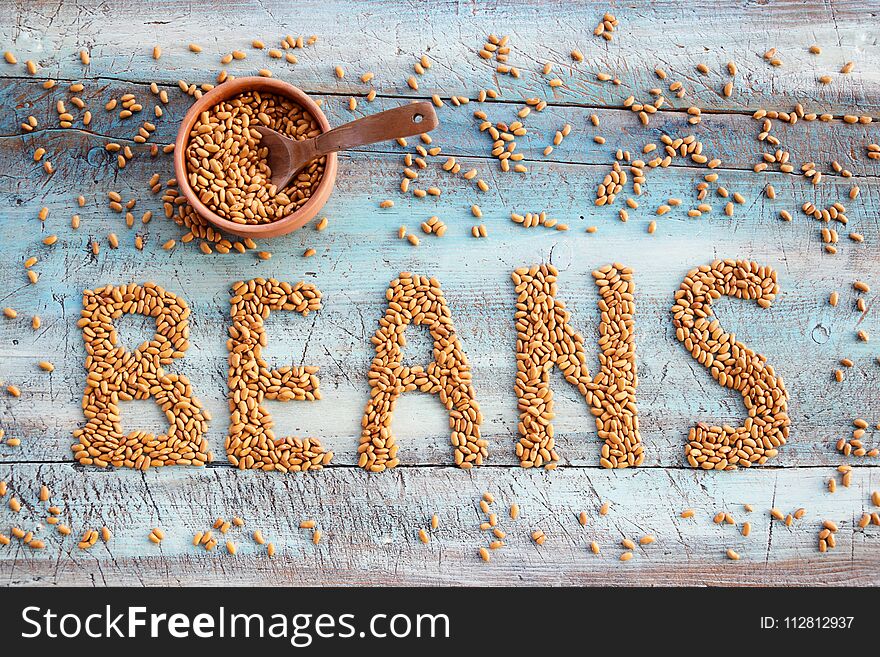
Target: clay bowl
(226, 91)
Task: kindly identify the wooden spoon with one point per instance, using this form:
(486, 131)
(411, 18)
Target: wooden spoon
(287, 156)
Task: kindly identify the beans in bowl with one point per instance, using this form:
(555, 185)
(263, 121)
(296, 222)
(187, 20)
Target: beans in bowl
(227, 167)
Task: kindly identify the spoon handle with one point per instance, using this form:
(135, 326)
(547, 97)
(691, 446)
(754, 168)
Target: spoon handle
(404, 121)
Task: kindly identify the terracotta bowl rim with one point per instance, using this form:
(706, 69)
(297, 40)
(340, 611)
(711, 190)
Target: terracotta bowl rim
(224, 91)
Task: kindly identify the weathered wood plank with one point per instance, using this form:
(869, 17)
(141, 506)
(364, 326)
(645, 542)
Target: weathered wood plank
(378, 36)
(802, 335)
(730, 137)
(370, 526)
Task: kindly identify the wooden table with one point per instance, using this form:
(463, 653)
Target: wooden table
(370, 521)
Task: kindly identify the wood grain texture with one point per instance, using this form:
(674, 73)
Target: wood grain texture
(370, 521)
(370, 527)
(380, 37)
(730, 136)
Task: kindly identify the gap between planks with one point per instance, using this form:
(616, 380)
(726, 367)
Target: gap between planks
(403, 96)
(831, 176)
(441, 466)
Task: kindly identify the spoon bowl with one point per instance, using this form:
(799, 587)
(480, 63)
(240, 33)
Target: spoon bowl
(288, 156)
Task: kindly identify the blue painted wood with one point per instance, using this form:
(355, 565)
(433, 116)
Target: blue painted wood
(370, 522)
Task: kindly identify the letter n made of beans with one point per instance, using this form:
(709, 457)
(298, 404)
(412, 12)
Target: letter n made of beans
(545, 339)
